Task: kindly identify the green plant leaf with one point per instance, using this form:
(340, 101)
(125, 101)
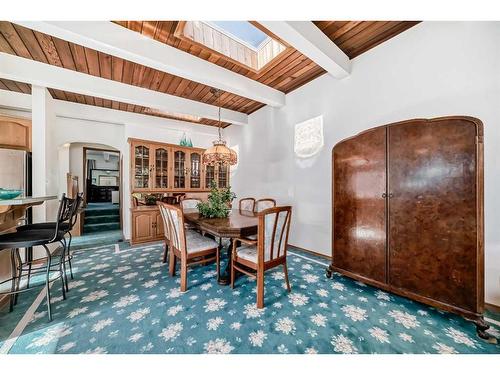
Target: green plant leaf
(218, 204)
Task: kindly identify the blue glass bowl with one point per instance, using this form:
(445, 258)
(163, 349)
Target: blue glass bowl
(9, 193)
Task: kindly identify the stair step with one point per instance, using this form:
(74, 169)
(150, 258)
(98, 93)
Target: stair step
(103, 212)
(92, 228)
(102, 219)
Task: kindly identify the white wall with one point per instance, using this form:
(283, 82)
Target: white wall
(433, 69)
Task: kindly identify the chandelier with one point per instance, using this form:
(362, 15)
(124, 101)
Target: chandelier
(219, 153)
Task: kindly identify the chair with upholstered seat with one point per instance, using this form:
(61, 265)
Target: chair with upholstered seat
(264, 204)
(187, 245)
(261, 205)
(254, 257)
(190, 203)
(246, 204)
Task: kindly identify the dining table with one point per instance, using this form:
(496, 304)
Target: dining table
(238, 224)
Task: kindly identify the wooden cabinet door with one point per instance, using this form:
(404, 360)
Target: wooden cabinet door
(141, 166)
(195, 170)
(161, 168)
(359, 215)
(15, 133)
(432, 209)
(142, 226)
(180, 166)
(159, 226)
(222, 176)
(209, 176)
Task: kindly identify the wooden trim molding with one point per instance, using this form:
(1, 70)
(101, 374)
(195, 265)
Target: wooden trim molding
(324, 256)
(492, 307)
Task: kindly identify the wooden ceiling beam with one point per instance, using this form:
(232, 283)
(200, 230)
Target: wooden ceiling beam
(36, 73)
(305, 37)
(121, 42)
(63, 108)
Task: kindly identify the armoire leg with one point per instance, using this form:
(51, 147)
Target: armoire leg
(481, 328)
(329, 271)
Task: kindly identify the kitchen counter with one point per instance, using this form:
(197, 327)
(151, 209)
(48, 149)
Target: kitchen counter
(12, 210)
(26, 200)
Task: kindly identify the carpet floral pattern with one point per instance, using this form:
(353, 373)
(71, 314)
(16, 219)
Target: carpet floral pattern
(125, 302)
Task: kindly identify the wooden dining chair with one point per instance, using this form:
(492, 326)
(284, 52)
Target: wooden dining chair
(187, 245)
(268, 251)
(264, 204)
(169, 200)
(166, 230)
(246, 204)
(190, 203)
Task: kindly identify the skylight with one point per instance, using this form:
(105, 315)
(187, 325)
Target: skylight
(242, 30)
(240, 41)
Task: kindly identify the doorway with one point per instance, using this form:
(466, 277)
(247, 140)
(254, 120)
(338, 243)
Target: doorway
(102, 187)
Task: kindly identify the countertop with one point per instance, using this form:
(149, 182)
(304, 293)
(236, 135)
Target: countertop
(26, 200)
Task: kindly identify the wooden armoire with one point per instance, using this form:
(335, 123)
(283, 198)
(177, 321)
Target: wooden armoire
(408, 212)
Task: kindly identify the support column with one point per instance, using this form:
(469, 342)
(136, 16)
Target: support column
(42, 116)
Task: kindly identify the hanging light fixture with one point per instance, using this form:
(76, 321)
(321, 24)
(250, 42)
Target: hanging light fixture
(219, 153)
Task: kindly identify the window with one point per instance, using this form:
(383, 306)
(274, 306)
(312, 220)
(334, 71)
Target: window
(308, 139)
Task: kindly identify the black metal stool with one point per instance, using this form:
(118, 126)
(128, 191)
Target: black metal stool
(29, 238)
(69, 216)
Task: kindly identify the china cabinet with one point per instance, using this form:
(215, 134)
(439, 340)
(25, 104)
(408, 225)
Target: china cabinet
(165, 168)
(162, 167)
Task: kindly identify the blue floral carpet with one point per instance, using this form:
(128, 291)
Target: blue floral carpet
(123, 301)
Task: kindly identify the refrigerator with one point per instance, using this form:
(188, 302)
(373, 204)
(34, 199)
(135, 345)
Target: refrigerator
(15, 172)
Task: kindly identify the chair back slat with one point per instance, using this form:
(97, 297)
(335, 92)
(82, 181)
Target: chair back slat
(246, 204)
(77, 204)
(164, 216)
(280, 247)
(175, 219)
(61, 213)
(264, 204)
(274, 226)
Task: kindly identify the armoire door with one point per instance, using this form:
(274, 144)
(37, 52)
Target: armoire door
(359, 224)
(432, 230)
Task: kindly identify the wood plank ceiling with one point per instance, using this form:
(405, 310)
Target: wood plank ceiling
(356, 37)
(288, 71)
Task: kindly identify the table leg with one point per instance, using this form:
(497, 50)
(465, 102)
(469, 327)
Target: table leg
(225, 277)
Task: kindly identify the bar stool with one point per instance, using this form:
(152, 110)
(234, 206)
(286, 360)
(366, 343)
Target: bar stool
(70, 214)
(29, 238)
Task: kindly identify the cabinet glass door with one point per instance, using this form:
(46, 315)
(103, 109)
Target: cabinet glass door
(195, 176)
(161, 168)
(209, 175)
(223, 174)
(179, 170)
(141, 167)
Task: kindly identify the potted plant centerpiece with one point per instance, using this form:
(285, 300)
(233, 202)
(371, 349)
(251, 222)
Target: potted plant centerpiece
(218, 204)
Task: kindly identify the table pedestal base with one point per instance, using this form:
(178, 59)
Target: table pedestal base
(224, 278)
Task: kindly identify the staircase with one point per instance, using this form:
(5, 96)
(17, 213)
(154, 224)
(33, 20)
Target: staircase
(101, 217)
